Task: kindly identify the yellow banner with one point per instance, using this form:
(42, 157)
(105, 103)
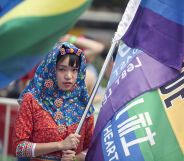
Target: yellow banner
(30, 8)
(172, 96)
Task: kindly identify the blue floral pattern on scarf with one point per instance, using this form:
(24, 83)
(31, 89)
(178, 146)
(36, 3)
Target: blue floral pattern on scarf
(66, 107)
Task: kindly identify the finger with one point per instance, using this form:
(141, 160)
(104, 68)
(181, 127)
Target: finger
(68, 157)
(75, 141)
(68, 152)
(65, 159)
(77, 135)
(74, 146)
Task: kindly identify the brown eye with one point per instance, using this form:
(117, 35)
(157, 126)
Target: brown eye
(61, 69)
(75, 70)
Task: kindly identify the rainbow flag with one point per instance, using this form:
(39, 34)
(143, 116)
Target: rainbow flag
(142, 112)
(29, 29)
(141, 117)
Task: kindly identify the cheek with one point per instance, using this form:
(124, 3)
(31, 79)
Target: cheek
(58, 76)
(76, 76)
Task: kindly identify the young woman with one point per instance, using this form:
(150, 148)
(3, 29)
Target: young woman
(51, 107)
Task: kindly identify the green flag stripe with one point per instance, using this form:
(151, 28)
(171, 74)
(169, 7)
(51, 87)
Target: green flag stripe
(166, 147)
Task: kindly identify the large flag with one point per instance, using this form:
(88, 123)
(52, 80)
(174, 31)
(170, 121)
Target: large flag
(141, 116)
(119, 133)
(29, 29)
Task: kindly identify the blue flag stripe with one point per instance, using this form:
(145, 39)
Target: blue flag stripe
(6, 5)
(171, 10)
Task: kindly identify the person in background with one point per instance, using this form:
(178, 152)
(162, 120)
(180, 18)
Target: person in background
(51, 107)
(24, 81)
(92, 50)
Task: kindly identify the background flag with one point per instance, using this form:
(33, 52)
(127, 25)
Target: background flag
(29, 29)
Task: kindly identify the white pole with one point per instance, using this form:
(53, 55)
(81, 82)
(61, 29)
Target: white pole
(6, 132)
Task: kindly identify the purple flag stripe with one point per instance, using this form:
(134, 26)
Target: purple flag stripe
(97, 151)
(157, 36)
(142, 74)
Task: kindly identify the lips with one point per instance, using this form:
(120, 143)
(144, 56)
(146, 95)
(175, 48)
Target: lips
(67, 84)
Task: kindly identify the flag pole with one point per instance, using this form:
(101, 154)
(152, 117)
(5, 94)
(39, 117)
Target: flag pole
(127, 18)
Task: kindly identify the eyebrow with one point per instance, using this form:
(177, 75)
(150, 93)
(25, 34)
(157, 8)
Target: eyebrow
(65, 66)
(62, 66)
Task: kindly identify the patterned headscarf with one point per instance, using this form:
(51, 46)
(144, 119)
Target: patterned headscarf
(66, 107)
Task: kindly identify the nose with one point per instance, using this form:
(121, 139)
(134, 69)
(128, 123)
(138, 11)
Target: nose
(68, 75)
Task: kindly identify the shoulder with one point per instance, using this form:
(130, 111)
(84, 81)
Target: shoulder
(28, 101)
(27, 97)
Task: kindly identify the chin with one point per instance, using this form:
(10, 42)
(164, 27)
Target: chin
(66, 89)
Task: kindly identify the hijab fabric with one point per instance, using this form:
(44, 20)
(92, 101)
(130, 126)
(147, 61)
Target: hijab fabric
(66, 107)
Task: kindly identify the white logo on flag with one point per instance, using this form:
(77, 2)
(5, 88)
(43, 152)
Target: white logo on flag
(142, 120)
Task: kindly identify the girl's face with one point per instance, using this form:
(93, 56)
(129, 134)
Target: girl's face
(66, 75)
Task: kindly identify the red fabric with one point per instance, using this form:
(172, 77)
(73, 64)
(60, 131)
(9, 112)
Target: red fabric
(35, 125)
(29, 75)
